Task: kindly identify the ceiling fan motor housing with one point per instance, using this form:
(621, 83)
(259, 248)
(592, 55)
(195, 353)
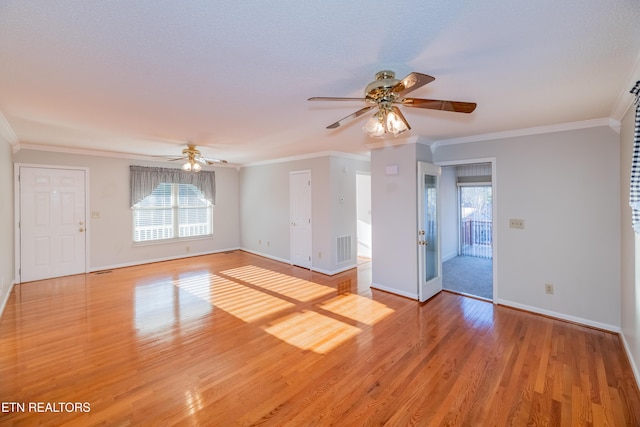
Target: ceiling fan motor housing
(380, 88)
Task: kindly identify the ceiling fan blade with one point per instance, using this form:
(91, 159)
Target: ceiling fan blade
(410, 83)
(436, 104)
(350, 117)
(209, 161)
(331, 98)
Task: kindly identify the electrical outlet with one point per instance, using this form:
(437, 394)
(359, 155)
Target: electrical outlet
(188, 248)
(516, 223)
(548, 288)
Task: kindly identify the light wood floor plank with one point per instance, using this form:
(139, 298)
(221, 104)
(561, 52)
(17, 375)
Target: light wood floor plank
(237, 339)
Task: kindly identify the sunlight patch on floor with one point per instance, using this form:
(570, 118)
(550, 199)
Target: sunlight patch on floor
(245, 303)
(358, 308)
(309, 330)
(289, 286)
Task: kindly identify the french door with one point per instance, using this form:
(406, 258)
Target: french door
(429, 260)
(52, 222)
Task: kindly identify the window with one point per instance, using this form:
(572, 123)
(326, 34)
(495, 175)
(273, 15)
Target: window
(172, 211)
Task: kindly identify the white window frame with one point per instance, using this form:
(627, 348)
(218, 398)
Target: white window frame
(176, 226)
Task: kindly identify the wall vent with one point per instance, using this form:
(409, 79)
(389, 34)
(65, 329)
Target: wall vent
(344, 248)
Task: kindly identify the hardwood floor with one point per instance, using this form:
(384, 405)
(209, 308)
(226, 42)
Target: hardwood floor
(236, 339)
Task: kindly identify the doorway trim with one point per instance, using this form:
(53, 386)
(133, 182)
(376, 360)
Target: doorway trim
(494, 210)
(294, 241)
(17, 213)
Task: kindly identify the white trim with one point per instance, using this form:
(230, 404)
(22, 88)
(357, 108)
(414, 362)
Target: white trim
(632, 362)
(394, 291)
(151, 261)
(494, 207)
(262, 254)
(333, 272)
(364, 157)
(7, 133)
(625, 99)
(585, 124)
(388, 142)
(16, 210)
(3, 303)
(561, 316)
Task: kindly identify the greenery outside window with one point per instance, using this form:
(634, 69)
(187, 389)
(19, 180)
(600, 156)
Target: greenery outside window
(172, 211)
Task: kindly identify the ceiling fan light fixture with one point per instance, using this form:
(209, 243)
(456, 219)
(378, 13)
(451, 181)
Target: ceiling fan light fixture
(375, 125)
(395, 123)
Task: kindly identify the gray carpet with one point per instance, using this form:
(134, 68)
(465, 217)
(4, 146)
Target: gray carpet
(469, 275)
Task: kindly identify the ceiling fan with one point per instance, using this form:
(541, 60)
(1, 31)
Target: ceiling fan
(194, 159)
(386, 91)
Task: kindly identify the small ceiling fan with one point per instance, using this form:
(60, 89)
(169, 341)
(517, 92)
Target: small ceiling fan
(194, 159)
(386, 91)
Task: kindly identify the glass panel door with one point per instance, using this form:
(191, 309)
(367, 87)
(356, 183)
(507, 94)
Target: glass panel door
(429, 260)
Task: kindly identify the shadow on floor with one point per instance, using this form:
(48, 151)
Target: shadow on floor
(469, 275)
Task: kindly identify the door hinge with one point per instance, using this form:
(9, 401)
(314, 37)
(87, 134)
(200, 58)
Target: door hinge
(309, 183)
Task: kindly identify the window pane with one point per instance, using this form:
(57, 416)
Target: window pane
(152, 224)
(191, 196)
(194, 221)
(161, 198)
(154, 218)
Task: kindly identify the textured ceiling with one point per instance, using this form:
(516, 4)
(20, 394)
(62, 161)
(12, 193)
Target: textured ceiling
(144, 77)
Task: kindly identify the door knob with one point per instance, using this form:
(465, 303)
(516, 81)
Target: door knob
(81, 229)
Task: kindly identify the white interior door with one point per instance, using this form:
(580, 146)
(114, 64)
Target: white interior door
(300, 224)
(429, 260)
(52, 222)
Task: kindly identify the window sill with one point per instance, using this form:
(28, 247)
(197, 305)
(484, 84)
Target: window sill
(169, 241)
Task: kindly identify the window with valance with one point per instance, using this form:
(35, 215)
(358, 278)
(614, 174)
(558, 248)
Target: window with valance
(170, 204)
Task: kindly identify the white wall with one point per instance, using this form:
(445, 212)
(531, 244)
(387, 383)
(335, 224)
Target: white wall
(630, 247)
(565, 185)
(110, 236)
(264, 208)
(6, 222)
(394, 218)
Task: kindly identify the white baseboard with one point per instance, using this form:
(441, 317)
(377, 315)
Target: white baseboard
(151, 261)
(634, 367)
(561, 316)
(395, 291)
(3, 304)
(332, 272)
(286, 261)
(446, 258)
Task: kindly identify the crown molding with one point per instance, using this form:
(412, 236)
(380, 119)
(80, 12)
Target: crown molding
(7, 133)
(381, 143)
(362, 157)
(585, 124)
(626, 98)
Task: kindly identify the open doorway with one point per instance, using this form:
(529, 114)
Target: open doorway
(363, 212)
(468, 266)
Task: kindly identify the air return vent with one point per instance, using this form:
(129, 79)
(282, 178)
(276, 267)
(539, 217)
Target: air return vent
(344, 248)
